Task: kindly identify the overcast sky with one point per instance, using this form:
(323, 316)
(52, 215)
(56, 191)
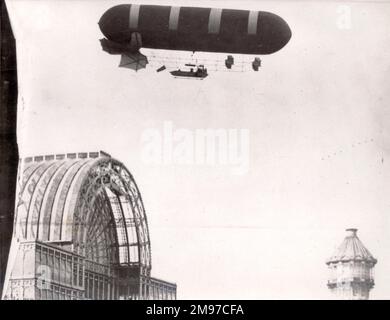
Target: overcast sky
(318, 118)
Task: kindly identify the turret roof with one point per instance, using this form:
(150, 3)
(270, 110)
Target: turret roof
(351, 249)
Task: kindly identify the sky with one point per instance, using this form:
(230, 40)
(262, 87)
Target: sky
(319, 141)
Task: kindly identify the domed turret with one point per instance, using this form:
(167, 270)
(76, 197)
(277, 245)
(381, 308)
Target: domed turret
(351, 269)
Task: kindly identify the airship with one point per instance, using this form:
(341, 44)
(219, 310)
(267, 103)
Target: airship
(129, 27)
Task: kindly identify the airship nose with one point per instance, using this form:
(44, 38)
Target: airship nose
(275, 32)
(114, 21)
(285, 33)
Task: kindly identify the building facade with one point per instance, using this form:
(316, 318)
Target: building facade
(80, 232)
(351, 269)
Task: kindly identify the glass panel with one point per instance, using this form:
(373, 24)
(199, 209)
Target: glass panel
(38, 256)
(90, 292)
(101, 288)
(62, 269)
(86, 287)
(51, 259)
(134, 254)
(50, 293)
(63, 294)
(81, 275)
(96, 288)
(69, 270)
(55, 294)
(44, 257)
(120, 226)
(75, 272)
(57, 267)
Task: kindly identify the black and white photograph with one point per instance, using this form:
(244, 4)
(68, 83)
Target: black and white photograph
(195, 150)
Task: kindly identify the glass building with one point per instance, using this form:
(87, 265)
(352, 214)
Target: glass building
(80, 232)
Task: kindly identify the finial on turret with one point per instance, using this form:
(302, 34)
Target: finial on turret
(351, 232)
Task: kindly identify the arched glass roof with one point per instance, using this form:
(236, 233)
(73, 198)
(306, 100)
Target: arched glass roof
(86, 201)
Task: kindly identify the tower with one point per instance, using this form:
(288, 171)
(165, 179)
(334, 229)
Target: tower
(351, 269)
